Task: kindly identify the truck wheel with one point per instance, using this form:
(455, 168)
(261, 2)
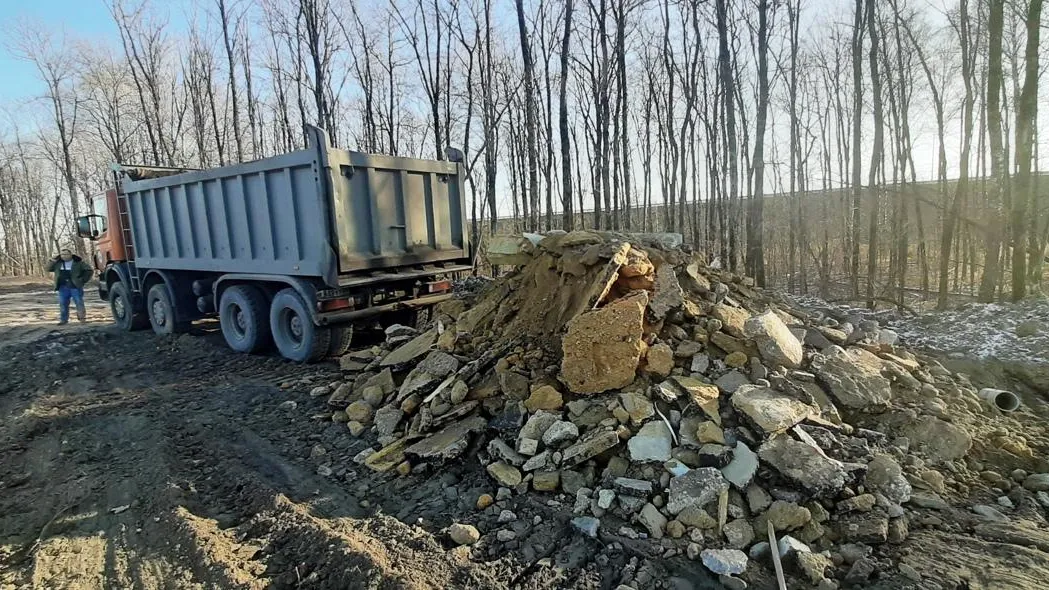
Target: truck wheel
(244, 319)
(124, 314)
(162, 311)
(294, 333)
(341, 337)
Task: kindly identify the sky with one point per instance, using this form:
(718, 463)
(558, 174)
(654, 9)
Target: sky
(79, 18)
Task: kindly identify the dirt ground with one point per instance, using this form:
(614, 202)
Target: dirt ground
(133, 461)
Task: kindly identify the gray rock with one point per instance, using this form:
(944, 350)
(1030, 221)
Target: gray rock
(506, 516)
(776, 344)
(498, 449)
(463, 534)
(739, 533)
(588, 525)
(804, 465)
(712, 455)
(758, 371)
(535, 462)
(696, 488)
(395, 330)
(726, 562)
(929, 500)
(594, 443)
(769, 410)
(637, 488)
(741, 469)
(668, 295)
(439, 364)
(700, 363)
(505, 536)
(1043, 498)
(939, 441)
(885, 476)
(537, 425)
(449, 442)
(788, 545)
(559, 433)
(651, 443)
(989, 512)
(854, 378)
(1038, 482)
(759, 551)
(605, 499)
(405, 354)
(866, 529)
(386, 420)
(860, 572)
(731, 381)
(886, 336)
(757, 498)
(853, 552)
(653, 520)
(817, 339)
(732, 583)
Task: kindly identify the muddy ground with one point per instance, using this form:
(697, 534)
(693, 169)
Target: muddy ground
(132, 461)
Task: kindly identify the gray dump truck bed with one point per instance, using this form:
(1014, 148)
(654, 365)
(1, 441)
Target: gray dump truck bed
(319, 212)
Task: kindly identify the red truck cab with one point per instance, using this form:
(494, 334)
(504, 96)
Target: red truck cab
(103, 226)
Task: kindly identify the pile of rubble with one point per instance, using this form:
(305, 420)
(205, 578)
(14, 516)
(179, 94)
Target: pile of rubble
(654, 398)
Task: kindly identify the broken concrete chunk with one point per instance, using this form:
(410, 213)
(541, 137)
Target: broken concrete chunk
(602, 348)
(776, 344)
(731, 381)
(651, 443)
(885, 476)
(732, 319)
(504, 474)
(590, 446)
(411, 351)
(696, 488)
(768, 409)
(637, 488)
(537, 424)
(804, 465)
(854, 378)
(498, 449)
(668, 295)
(726, 562)
(449, 442)
(559, 433)
(939, 441)
(653, 520)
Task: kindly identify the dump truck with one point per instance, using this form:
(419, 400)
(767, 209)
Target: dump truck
(292, 250)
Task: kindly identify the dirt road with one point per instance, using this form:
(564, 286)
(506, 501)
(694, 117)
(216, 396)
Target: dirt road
(132, 461)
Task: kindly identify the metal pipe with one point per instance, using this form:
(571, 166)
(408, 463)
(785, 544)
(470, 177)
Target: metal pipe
(1005, 401)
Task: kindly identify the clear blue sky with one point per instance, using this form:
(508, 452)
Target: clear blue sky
(79, 18)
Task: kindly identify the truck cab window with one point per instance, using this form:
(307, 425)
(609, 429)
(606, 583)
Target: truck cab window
(99, 208)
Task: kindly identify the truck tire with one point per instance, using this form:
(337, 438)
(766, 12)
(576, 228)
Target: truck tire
(341, 339)
(294, 333)
(162, 311)
(124, 314)
(245, 319)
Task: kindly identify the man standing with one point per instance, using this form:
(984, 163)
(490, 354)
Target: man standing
(71, 273)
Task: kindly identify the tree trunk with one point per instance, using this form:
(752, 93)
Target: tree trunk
(755, 262)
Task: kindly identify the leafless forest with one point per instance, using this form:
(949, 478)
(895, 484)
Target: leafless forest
(864, 148)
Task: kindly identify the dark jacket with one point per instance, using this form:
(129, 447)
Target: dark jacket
(80, 274)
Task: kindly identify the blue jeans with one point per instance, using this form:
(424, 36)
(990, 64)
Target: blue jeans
(65, 293)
